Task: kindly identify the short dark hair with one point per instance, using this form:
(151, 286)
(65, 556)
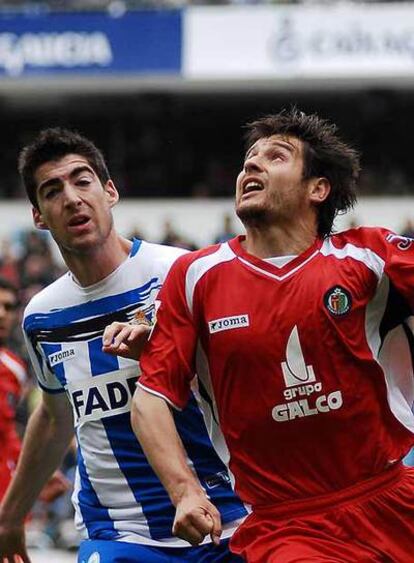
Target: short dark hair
(324, 155)
(54, 144)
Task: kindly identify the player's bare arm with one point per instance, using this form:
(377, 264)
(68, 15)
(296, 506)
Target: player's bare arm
(196, 517)
(125, 339)
(47, 438)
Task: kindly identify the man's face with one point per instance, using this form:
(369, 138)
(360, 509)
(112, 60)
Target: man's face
(73, 204)
(270, 188)
(7, 314)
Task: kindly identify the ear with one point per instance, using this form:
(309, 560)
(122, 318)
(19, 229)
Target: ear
(38, 220)
(111, 193)
(319, 190)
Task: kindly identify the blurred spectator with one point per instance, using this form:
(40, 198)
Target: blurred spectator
(37, 266)
(227, 232)
(13, 385)
(170, 237)
(136, 233)
(8, 263)
(408, 229)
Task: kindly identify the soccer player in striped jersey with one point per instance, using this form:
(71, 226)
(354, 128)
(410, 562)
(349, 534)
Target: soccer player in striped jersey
(121, 507)
(304, 341)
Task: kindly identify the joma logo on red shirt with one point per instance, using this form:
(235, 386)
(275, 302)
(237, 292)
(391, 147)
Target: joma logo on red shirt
(228, 323)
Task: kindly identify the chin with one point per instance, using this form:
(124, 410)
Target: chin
(252, 215)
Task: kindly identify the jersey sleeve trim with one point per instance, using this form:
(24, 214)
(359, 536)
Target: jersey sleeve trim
(160, 395)
(50, 391)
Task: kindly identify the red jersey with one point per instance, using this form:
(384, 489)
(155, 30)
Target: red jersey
(308, 367)
(13, 377)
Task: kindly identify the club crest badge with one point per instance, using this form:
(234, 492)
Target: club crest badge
(338, 301)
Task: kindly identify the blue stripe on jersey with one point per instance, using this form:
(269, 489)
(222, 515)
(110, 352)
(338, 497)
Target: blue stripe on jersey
(58, 369)
(100, 361)
(99, 307)
(95, 516)
(143, 482)
(136, 245)
(210, 470)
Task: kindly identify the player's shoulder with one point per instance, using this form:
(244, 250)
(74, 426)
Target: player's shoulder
(203, 258)
(50, 297)
(370, 238)
(154, 251)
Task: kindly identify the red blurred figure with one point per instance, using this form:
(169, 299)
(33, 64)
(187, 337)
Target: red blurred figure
(13, 380)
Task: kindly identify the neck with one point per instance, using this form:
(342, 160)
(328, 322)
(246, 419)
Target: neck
(95, 264)
(273, 240)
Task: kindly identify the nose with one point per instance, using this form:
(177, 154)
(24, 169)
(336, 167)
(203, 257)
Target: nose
(252, 164)
(71, 195)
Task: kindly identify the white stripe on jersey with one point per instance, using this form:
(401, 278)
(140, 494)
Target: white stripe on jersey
(125, 511)
(274, 276)
(199, 267)
(209, 409)
(364, 255)
(373, 315)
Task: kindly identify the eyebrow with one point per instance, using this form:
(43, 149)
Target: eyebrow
(279, 142)
(57, 180)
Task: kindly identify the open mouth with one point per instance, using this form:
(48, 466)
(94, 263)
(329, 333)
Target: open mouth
(78, 220)
(252, 186)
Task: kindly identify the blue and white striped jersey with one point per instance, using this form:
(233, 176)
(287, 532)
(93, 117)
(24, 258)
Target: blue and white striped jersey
(117, 495)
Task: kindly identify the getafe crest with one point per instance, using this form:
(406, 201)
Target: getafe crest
(338, 301)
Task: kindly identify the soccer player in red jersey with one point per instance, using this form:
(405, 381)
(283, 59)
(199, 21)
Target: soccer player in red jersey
(302, 342)
(13, 379)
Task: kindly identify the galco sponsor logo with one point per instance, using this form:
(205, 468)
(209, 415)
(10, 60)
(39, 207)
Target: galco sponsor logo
(228, 323)
(301, 384)
(61, 356)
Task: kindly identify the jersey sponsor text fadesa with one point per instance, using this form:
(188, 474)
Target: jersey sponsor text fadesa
(300, 383)
(103, 396)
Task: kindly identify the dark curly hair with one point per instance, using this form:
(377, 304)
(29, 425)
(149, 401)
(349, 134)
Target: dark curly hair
(324, 155)
(53, 144)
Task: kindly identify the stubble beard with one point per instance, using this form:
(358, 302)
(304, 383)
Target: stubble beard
(255, 217)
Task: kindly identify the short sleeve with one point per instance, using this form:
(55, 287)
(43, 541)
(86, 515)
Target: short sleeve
(167, 362)
(399, 265)
(47, 380)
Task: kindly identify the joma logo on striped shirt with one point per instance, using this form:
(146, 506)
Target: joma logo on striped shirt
(228, 323)
(61, 356)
